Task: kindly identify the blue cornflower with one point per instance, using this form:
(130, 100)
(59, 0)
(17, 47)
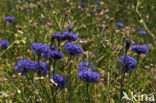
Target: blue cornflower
(83, 5)
(143, 33)
(98, 9)
(37, 48)
(29, 11)
(57, 36)
(98, 2)
(138, 28)
(9, 19)
(4, 44)
(61, 81)
(70, 27)
(23, 66)
(119, 24)
(128, 43)
(139, 49)
(69, 36)
(86, 66)
(41, 20)
(43, 67)
(73, 49)
(129, 62)
(89, 76)
(56, 55)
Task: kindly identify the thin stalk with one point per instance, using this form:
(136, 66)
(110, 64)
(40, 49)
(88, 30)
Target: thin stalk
(123, 76)
(68, 78)
(53, 88)
(137, 65)
(39, 74)
(88, 96)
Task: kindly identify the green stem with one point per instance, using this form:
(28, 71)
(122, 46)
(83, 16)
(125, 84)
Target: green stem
(69, 80)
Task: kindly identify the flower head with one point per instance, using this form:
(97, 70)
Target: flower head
(143, 33)
(57, 36)
(69, 36)
(61, 81)
(9, 19)
(73, 49)
(138, 28)
(37, 48)
(70, 27)
(120, 24)
(29, 11)
(4, 44)
(139, 49)
(98, 9)
(56, 55)
(89, 76)
(83, 5)
(98, 2)
(130, 63)
(128, 43)
(23, 66)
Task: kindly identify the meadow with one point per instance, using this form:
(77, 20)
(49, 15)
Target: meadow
(77, 51)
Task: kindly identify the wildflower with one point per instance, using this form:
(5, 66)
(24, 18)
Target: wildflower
(138, 28)
(9, 19)
(57, 36)
(41, 20)
(98, 9)
(129, 62)
(139, 49)
(83, 5)
(120, 25)
(4, 44)
(56, 55)
(128, 42)
(23, 66)
(86, 66)
(37, 48)
(70, 27)
(98, 2)
(29, 11)
(69, 36)
(89, 76)
(143, 33)
(61, 81)
(73, 49)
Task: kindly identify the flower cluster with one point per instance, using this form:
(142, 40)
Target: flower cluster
(86, 72)
(61, 81)
(89, 76)
(57, 36)
(9, 19)
(69, 36)
(4, 44)
(23, 66)
(130, 63)
(46, 51)
(139, 49)
(73, 49)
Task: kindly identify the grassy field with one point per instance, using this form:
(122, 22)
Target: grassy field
(103, 28)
